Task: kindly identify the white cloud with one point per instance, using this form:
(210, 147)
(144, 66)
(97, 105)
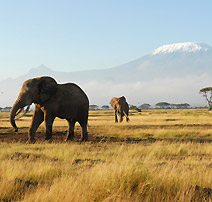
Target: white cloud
(173, 90)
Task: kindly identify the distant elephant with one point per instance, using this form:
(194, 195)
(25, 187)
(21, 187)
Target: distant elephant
(121, 108)
(66, 101)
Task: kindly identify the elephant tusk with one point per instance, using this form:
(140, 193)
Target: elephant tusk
(19, 111)
(27, 109)
(125, 115)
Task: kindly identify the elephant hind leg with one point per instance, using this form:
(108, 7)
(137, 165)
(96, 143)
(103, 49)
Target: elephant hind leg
(121, 117)
(70, 133)
(84, 135)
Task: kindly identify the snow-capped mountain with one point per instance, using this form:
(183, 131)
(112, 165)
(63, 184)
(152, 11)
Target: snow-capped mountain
(188, 47)
(174, 60)
(174, 73)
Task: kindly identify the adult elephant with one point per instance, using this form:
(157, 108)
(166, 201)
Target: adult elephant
(66, 101)
(121, 108)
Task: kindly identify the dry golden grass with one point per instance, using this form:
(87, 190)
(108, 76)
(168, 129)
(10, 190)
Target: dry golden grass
(172, 157)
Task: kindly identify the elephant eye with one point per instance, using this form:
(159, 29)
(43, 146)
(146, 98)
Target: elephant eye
(27, 87)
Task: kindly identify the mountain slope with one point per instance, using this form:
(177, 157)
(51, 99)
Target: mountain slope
(173, 60)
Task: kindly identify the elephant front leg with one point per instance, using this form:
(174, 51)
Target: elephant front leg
(38, 118)
(70, 133)
(116, 116)
(48, 124)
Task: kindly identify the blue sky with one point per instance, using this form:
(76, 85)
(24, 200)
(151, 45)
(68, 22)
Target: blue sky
(68, 35)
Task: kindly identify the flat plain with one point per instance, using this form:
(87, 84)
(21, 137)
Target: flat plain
(160, 155)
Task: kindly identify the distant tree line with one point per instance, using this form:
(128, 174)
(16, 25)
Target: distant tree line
(5, 109)
(8, 109)
(160, 105)
(166, 105)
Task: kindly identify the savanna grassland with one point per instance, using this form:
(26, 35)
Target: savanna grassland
(160, 155)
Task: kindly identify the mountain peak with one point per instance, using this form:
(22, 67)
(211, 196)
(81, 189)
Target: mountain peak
(40, 69)
(187, 47)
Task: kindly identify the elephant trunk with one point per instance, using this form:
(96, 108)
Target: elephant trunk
(17, 105)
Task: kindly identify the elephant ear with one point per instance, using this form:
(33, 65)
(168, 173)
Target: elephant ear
(47, 87)
(113, 102)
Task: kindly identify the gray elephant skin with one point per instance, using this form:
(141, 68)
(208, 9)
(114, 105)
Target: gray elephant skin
(121, 108)
(66, 101)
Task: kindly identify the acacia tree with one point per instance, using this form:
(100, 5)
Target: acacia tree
(105, 107)
(180, 106)
(163, 105)
(93, 107)
(207, 93)
(144, 106)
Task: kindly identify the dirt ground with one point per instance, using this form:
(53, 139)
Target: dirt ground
(59, 137)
